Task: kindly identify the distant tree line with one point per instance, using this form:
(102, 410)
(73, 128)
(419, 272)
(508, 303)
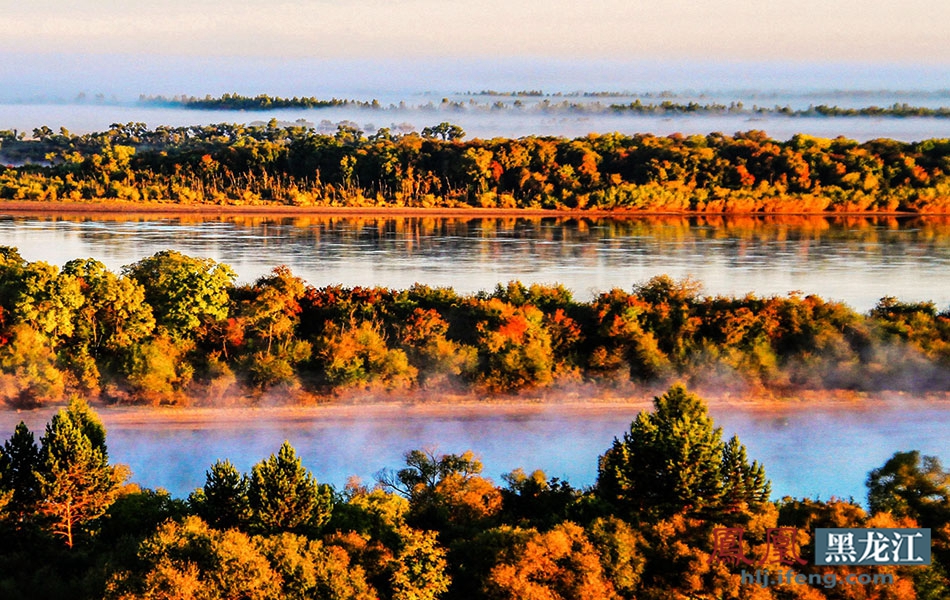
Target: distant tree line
(259, 102)
(297, 166)
(175, 329)
(668, 108)
(437, 528)
(664, 107)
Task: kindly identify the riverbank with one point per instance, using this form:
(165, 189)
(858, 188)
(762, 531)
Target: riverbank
(171, 210)
(370, 409)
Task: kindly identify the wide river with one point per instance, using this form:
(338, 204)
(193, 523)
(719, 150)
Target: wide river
(817, 452)
(854, 260)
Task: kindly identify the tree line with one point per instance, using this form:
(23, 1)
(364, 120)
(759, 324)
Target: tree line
(259, 102)
(176, 329)
(269, 164)
(73, 526)
(666, 107)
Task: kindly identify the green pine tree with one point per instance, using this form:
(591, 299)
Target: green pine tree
(743, 485)
(76, 483)
(89, 423)
(18, 462)
(223, 501)
(284, 496)
(673, 460)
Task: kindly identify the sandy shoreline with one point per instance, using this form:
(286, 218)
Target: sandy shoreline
(205, 417)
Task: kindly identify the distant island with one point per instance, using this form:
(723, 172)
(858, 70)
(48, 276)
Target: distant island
(172, 329)
(588, 103)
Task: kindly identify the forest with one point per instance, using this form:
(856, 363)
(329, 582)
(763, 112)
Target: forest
(73, 525)
(295, 165)
(174, 329)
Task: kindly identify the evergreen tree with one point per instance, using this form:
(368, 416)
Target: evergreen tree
(19, 459)
(223, 501)
(76, 483)
(743, 485)
(284, 496)
(89, 423)
(672, 461)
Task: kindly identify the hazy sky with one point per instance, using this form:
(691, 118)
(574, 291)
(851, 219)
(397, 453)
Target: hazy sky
(822, 30)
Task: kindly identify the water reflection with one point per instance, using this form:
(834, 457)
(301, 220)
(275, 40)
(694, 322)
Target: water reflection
(856, 260)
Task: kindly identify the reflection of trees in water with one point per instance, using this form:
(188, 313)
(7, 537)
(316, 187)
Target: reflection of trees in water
(516, 246)
(387, 230)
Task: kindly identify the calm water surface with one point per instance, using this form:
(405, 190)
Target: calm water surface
(818, 453)
(857, 261)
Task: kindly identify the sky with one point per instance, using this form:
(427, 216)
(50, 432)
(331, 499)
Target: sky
(126, 47)
(842, 30)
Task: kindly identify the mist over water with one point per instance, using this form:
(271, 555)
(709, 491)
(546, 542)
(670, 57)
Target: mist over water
(819, 452)
(477, 123)
(43, 90)
(814, 453)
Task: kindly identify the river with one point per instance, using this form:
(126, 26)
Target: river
(854, 260)
(817, 452)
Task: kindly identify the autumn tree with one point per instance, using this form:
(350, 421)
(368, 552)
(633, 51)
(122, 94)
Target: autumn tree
(312, 569)
(270, 316)
(115, 314)
(158, 370)
(10, 257)
(357, 355)
(400, 561)
(514, 346)
(29, 368)
(46, 299)
(189, 560)
(622, 553)
(374, 513)
(445, 492)
(183, 291)
(623, 342)
(418, 570)
(911, 485)
(6, 495)
(558, 564)
(438, 358)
